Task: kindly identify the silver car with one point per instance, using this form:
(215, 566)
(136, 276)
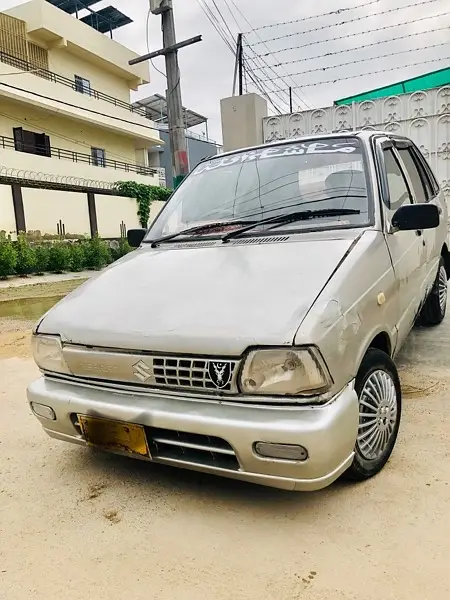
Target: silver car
(253, 332)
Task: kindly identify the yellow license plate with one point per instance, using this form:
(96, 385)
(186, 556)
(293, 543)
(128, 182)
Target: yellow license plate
(114, 435)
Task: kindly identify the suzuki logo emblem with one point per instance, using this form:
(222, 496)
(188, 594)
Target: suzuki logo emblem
(142, 371)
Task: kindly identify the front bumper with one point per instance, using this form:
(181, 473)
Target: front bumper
(327, 432)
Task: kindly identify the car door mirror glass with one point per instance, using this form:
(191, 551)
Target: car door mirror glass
(135, 237)
(414, 217)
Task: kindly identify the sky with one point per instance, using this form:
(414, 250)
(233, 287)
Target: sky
(207, 67)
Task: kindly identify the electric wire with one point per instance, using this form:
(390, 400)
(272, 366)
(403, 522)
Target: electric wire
(300, 100)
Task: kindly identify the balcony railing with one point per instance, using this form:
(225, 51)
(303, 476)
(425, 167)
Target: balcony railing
(24, 65)
(78, 157)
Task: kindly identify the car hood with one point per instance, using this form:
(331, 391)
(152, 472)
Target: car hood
(205, 300)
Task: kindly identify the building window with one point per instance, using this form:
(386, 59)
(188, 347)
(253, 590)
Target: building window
(82, 85)
(98, 157)
(33, 143)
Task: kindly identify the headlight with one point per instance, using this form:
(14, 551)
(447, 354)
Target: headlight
(47, 352)
(285, 371)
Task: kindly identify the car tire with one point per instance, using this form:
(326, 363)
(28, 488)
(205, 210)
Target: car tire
(380, 405)
(433, 311)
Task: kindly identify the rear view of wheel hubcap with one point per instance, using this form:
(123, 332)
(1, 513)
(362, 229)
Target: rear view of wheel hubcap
(377, 414)
(442, 288)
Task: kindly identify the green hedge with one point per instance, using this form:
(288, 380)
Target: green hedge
(25, 257)
(144, 195)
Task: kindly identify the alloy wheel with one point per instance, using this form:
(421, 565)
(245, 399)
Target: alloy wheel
(377, 414)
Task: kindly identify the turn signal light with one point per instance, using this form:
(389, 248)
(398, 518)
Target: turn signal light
(281, 451)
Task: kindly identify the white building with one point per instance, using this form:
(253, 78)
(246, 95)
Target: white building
(66, 121)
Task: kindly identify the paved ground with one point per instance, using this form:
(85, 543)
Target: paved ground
(76, 524)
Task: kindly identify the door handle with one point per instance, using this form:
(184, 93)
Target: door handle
(419, 232)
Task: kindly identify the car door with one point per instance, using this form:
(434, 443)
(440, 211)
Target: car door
(424, 189)
(406, 248)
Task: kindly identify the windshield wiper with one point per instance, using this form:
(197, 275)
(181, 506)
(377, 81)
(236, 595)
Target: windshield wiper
(198, 229)
(300, 215)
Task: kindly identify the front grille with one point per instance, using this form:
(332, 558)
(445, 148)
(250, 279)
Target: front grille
(191, 372)
(145, 370)
(183, 447)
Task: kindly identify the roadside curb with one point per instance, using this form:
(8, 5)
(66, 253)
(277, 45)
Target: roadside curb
(14, 282)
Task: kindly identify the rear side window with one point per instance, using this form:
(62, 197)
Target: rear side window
(398, 188)
(420, 185)
(422, 162)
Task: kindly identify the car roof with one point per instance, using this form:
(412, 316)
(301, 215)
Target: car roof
(363, 134)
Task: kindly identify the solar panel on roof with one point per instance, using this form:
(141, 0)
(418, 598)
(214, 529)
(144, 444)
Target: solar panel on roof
(106, 19)
(72, 6)
(156, 108)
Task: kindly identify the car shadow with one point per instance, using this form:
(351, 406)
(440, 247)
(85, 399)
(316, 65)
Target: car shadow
(155, 479)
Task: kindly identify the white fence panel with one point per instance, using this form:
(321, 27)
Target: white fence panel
(422, 116)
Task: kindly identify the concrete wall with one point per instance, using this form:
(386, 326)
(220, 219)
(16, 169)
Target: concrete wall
(44, 208)
(54, 27)
(112, 211)
(155, 209)
(63, 62)
(59, 100)
(423, 116)
(67, 134)
(197, 150)
(64, 132)
(7, 219)
(242, 118)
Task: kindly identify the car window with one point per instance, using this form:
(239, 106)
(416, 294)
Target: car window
(255, 184)
(422, 162)
(398, 188)
(421, 193)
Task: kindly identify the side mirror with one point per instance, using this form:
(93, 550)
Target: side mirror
(413, 217)
(135, 237)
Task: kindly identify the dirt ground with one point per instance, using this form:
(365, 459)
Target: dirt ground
(76, 524)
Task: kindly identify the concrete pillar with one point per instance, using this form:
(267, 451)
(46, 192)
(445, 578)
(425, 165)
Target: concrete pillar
(242, 121)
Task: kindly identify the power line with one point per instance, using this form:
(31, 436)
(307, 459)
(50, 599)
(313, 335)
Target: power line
(222, 17)
(349, 35)
(272, 70)
(332, 12)
(268, 80)
(279, 96)
(384, 12)
(300, 100)
(222, 34)
(264, 92)
(395, 39)
(361, 60)
(147, 37)
(90, 110)
(423, 62)
(205, 8)
(37, 125)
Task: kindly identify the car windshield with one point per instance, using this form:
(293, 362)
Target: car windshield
(248, 186)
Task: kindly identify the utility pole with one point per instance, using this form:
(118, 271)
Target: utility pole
(180, 164)
(239, 65)
(240, 61)
(290, 101)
